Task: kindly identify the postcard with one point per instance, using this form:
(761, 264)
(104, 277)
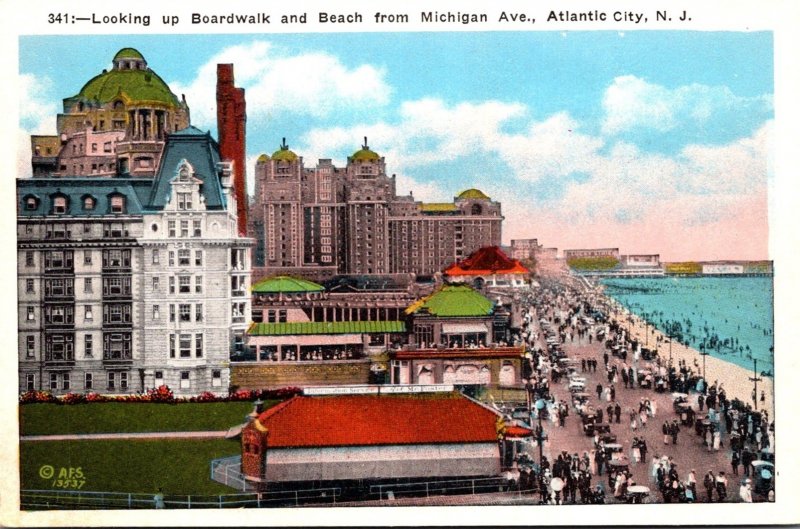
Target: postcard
(423, 263)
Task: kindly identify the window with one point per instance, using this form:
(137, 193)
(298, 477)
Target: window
(172, 312)
(87, 285)
(60, 205)
(184, 201)
(171, 228)
(53, 381)
(184, 228)
(196, 231)
(87, 313)
(185, 382)
(156, 312)
(156, 257)
(65, 381)
(94, 147)
(117, 346)
(88, 345)
(198, 284)
(29, 286)
(29, 258)
(87, 381)
(87, 257)
(184, 257)
(271, 316)
(88, 203)
(159, 376)
(30, 381)
(59, 347)
(107, 146)
(198, 345)
(31, 203)
(185, 345)
(172, 346)
(156, 285)
(117, 204)
(198, 257)
(30, 346)
(281, 316)
(171, 284)
(171, 258)
(216, 377)
(112, 380)
(123, 380)
(198, 312)
(184, 284)
(185, 312)
(31, 314)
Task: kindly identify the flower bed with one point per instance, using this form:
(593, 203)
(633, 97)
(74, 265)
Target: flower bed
(161, 394)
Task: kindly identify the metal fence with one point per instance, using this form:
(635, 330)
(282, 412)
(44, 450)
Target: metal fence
(87, 500)
(440, 488)
(228, 471)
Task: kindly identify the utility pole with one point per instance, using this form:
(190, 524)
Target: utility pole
(755, 379)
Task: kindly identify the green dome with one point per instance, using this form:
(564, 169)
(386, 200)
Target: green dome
(128, 53)
(473, 193)
(136, 85)
(284, 154)
(365, 154)
(286, 284)
(263, 159)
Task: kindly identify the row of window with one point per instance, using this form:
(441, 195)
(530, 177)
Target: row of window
(64, 287)
(61, 347)
(114, 380)
(60, 203)
(184, 257)
(181, 312)
(172, 225)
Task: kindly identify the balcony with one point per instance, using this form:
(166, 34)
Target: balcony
(115, 359)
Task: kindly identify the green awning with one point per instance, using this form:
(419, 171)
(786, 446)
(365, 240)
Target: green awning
(321, 327)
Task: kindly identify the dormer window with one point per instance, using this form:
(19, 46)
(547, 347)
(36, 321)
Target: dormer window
(117, 204)
(184, 173)
(59, 205)
(31, 203)
(88, 203)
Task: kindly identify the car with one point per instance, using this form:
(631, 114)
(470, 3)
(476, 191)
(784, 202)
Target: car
(763, 480)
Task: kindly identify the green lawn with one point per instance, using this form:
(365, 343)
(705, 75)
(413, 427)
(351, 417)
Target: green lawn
(178, 466)
(44, 419)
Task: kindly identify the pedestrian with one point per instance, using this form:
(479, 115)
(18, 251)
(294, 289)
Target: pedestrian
(610, 412)
(722, 486)
(636, 453)
(643, 419)
(745, 493)
(632, 415)
(617, 411)
(735, 463)
(613, 393)
(665, 429)
(599, 390)
(708, 482)
(583, 365)
(700, 401)
(675, 430)
(605, 357)
(717, 440)
(655, 464)
(158, 499)
(643, 448)
(691, 483)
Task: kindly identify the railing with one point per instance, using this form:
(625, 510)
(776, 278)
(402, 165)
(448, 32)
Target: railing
(87, 500)
(439, 488)
(227, 471)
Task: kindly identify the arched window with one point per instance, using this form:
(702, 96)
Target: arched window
(477, 209)
(89, 202)
(31, 202)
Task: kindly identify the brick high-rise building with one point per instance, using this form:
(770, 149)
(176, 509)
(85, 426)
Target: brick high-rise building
(329, 220)
(231, 127)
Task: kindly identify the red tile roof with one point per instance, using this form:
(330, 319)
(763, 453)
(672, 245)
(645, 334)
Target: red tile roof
(358, 420)
(487, 260)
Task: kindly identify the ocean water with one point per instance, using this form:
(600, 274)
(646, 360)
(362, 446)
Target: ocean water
(730, 317)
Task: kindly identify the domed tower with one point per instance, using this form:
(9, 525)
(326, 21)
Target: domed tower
(116, 124)
(367, 212)
(281, 191)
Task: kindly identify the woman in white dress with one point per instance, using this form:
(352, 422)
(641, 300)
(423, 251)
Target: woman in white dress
(652, 405)
(716, 440)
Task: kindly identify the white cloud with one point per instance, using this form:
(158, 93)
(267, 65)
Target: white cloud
(632, 103)
(313, 84)
(37, 115)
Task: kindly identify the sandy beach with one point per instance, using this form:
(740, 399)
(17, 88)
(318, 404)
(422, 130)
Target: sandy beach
(735, 379)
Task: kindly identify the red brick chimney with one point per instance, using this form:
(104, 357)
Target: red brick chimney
(231, 120)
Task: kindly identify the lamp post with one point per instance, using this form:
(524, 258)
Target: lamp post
(755, 379)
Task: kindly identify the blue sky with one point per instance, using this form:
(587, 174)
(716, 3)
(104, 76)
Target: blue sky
(649, 141)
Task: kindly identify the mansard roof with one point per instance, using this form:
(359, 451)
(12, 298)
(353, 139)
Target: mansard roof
(202, 152)
(76, 189)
